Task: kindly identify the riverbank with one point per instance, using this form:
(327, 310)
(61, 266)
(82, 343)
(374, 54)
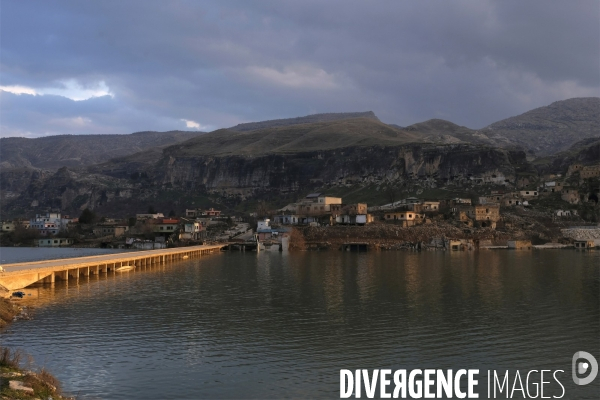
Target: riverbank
(16, 382)
(379, 236)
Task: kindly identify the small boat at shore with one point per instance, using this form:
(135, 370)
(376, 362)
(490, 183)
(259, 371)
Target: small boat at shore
(124, 268)
(185, 257)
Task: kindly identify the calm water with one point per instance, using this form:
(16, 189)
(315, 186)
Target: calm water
(241, 325)
(24, 254)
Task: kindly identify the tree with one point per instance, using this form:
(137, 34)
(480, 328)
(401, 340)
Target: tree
(262, 210)
(22, 234)
(391, 194)
(151, 210)
(172, 213)
(87, 217)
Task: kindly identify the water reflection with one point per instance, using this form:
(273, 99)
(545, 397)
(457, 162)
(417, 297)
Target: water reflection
(272, 325)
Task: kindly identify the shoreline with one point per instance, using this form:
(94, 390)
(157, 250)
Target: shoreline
(16, 381)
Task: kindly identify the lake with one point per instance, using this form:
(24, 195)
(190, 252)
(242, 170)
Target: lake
(247, 325)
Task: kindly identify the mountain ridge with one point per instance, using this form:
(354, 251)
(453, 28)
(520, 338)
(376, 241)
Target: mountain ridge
(544, 131)
(549, 129)
(53, 152)
(308, 119)
(293, 138)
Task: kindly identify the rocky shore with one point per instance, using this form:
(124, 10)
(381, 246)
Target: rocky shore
(385, 236)
(15, 381)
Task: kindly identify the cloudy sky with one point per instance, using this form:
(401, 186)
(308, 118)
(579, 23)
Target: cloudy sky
(73, 67)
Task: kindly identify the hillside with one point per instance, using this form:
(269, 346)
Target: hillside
(54, 152)
(179, 181)
(309, 119)
(550, 129)
(441, 131)
(586, 152)
(293, 139)
(228, 166)
(543, 131)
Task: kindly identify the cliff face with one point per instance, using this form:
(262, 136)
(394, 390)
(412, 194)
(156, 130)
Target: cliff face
(133, 186)
(292, 172)
(585, 152)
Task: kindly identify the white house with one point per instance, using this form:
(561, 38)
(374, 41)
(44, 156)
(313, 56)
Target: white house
(287, 219)
(54, 242)
(562, 213)
(264, 225)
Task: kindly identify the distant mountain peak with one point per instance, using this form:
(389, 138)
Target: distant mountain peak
(552, 128)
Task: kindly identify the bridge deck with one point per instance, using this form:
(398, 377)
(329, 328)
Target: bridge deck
(21, 275)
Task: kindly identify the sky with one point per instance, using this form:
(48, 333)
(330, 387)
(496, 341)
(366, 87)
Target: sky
(74, 67)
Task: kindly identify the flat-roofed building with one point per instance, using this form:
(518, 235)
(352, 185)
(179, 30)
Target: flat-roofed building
(54, 242)
(405, 218)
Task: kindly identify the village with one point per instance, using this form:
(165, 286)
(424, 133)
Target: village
(497, 219)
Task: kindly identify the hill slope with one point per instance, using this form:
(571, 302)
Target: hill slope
(54, 152)
(441, 131)
(550, 129)
(294, 139)
(309, 119)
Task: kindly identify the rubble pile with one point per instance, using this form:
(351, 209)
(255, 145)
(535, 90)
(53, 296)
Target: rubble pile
(582, 233)
(390, 236)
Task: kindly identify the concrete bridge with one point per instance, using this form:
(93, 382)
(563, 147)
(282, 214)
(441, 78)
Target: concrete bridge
(20, 275)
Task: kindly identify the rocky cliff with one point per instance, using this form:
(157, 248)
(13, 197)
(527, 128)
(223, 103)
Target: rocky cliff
(287, 158)
(231, 179)
(291, 172)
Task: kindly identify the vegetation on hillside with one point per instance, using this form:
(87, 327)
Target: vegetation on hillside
(294, 139)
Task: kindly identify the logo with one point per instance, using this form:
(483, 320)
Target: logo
(581, 367)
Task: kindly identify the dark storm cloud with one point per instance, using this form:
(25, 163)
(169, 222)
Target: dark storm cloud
(214, 64)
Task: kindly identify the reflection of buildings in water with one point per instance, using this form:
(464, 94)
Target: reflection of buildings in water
(333, 287)
(44, 294)
(412, 279)
(424, 274)
(366, 275)
(504, 276)
(488, 277)
(573, 289)
(431, 278)
(263, 275)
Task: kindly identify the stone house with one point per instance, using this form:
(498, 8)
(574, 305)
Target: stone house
(110, 230)
(529, 193)
(569, 195)
(519, 244)
(405, 218)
